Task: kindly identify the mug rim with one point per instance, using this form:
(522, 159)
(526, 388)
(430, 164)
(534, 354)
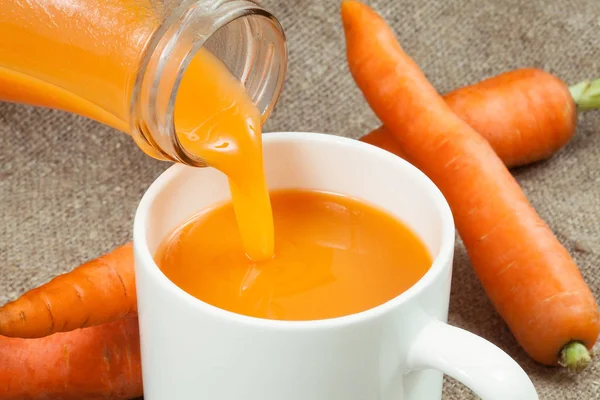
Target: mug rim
(440, 263)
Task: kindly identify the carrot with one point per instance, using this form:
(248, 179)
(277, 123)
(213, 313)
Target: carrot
(99, 291)
(526, 115)
(101, 362)
(381, 138)
(528, 275)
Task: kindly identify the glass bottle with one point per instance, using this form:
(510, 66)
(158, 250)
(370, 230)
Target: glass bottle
(120, 62)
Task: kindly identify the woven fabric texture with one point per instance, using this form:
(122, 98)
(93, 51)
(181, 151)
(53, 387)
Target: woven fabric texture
(69, 186)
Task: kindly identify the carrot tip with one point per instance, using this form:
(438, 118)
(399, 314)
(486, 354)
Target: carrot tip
(353, 11)
(348, 4)
(575, 357)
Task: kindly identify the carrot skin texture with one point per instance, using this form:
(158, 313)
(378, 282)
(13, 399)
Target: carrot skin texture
(100, 362)
(528, 275)
(99, 291)
(382, 139)
(526, 115)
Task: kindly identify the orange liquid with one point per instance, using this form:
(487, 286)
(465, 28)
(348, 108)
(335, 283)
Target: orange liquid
(78, 55)
(81, 56)
(334, 256)
(222, 125)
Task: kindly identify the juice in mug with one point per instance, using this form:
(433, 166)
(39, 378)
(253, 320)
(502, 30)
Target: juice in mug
(334, 256)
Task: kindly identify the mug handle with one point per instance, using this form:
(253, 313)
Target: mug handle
(484, 368)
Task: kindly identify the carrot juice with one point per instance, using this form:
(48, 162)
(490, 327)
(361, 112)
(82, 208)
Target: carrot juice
(334, 256)
(79, 56)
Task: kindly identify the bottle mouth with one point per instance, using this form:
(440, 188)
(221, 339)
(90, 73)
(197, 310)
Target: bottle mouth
(245, 37)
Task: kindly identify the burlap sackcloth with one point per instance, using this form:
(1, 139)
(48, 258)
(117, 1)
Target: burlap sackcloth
(69, 187)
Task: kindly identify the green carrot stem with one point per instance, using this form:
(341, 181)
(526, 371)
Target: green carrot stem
(575, 357)
(586, 94)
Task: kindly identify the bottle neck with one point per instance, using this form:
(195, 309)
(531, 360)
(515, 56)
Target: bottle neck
(244, 36)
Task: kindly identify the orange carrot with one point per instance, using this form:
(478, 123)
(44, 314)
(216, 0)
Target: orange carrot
(101, 362)
(528, 275)
(99, 291)
(383, 139)
(526, 115)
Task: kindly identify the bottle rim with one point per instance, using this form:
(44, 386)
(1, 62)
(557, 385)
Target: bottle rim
(184, 32)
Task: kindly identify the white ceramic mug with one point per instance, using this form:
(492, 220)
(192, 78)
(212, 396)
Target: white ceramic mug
(396, 351)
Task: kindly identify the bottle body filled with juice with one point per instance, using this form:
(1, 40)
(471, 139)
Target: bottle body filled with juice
(150, 68)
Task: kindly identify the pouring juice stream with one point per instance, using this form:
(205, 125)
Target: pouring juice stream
(68, 59)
